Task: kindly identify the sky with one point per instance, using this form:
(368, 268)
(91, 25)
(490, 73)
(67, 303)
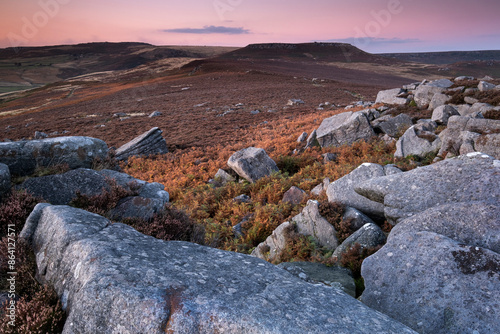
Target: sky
(372, 25)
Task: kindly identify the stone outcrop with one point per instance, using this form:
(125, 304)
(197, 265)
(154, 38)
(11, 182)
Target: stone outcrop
(439, 271)
(23, 157)
(344, 129)
(294, 195)
(471, 177)
(252, 164)
(441, 114)
(419, 140)
(465, 135)
(342, 190)
(149, 143)
(140, 284)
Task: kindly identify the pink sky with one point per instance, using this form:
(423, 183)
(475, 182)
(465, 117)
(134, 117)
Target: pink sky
(372, 25)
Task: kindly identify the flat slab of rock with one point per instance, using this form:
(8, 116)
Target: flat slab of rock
(472, 177)
(252, 164)
(440, 270)
(390, 96)
(344, 129)
(149, 143)
(143, 285)
(23, 157)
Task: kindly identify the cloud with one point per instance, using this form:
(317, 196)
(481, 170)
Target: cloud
(210, 30)
(375, 40)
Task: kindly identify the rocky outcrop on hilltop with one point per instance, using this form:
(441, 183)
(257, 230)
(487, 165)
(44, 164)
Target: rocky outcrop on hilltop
(145, 285)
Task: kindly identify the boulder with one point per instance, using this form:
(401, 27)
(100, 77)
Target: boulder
(481, 107)
(63, 188)
(485, 86)
(329, 157)
(310, 223)
(441, 83)
(418, 142)
(155, 114)
(252, 164)
(391, 96)
(243, 199)
(223, 177)
(4, 180)
(271, 248)
(368, 236)
(137, 207)
(318, 273)
(356, 218)
(438, 100)
(295, 102)
(23, 157)
(450, 258)
(424, 94)
(394, 126)
(302, 138)
(149, 143)
(342, 190)
(294, 196)
(471, 177)
(344, 129)
(140, 284)
(441, 114)
(312, 140)
(465, 135)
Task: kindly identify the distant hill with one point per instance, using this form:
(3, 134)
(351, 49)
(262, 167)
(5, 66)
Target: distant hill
(442, 58)
(29, 67)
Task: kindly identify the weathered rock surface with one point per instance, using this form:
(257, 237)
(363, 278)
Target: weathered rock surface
(471, 177)
(149, 143)
(390, 96)
(394, 125)
(342, 190)
(418, 142)
(439, 270)
(4, 179)
(356, 218)
(23, 157)
(368, 236)
(438, 100)
(223, 177)
(271, 248)
(424, 94)
(484, 86)
(252, 164)
(336, 276)
(465, 135)
(344, 129)
(302, 138)
(441, 114)
(294, 195)
(137, 207)
(310, 223)
(140, 284)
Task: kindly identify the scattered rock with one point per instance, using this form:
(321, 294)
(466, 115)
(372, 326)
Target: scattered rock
(295, 102)
(23, 157)
(391, 96)
(4, 180)
(223, 177)
(302, 138)
(344, 129)
(145, 285)
(149, 143)
(471, 177)
(425, 93)
(255, 112)
(294, 196)
(485, 86)
(336, 276)
(368, 236)
(155, 114)
(271, 248)
(470, 100)
(40, 135)
(441, 83)
(450, 258)
(441, 114)
(137, 207)
(438, 100)
(312, 140)
(393, 126)
(252, 164)
(342, 190)
(329, 157)
(242, 199)
(462, 78)
(417, 141)
(120, 115)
